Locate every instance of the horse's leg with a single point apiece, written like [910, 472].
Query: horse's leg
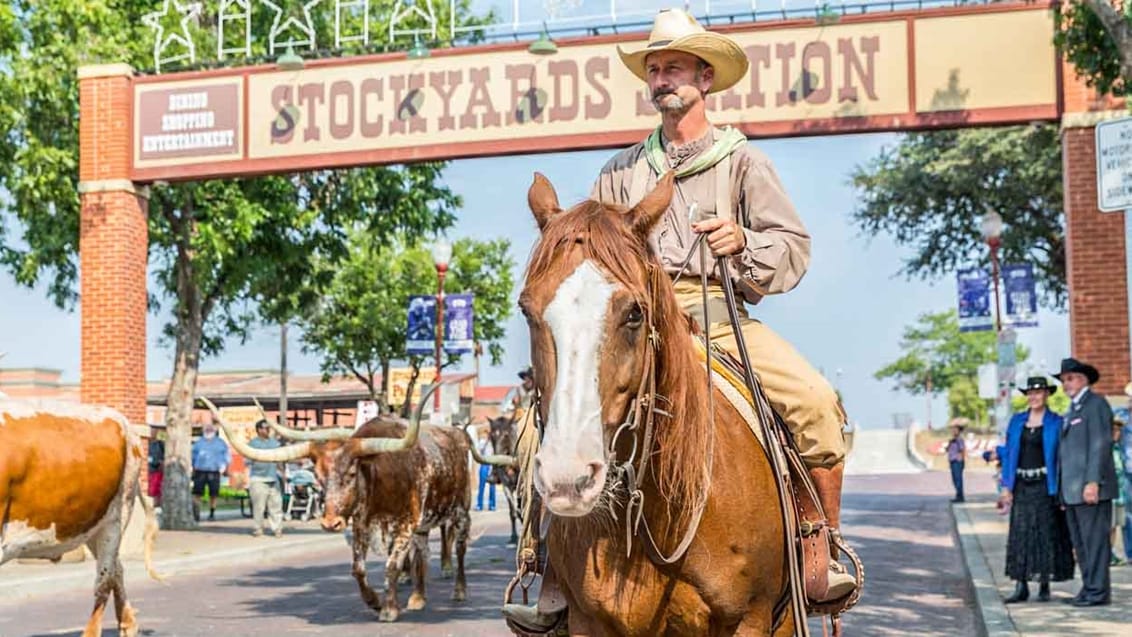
[419, 568]
[460, 530]
[446, 551]
[362, 539]
[399, 557]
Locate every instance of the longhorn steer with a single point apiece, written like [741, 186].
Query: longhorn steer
[400, 478]
[69, 477]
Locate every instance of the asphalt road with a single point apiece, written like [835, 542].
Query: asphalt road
[898, 523]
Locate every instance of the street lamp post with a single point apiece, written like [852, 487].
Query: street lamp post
[441, 253]
[991, 228]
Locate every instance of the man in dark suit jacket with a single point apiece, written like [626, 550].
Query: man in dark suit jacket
[1087, 479]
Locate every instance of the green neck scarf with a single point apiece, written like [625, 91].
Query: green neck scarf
[729, 140]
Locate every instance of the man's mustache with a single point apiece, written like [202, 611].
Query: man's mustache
[661, 92]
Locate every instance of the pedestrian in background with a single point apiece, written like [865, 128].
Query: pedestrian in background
[1118, 503]
[1126, 448]
[483, 445]
[156, 463]
[211, 458]
[956, 457]
[265, 484]
[1037, 546]
[1087, 479]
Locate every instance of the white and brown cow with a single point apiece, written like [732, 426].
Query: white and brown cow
[397, 478]
[69, 477]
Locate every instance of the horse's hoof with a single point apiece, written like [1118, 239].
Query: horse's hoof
[416, 602]
[446, 573]
[389, 614]
[513, 541]
[460, 595]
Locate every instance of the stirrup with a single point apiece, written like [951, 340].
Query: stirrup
[528, 621]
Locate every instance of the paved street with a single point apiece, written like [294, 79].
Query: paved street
[899, 524]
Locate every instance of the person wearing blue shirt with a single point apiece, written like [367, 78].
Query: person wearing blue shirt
[1038, 545]
[211, 457]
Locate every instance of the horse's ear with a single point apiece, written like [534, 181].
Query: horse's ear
[543, 200]
[645, 214]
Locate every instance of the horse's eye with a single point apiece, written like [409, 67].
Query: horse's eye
[635, 317]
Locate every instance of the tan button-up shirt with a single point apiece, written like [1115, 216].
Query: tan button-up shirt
[778, 246]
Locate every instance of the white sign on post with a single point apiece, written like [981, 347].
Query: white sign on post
[1114, 164]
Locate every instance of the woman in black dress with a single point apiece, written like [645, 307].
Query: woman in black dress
[1038, 546]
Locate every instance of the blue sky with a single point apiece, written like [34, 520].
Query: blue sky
[846, 316]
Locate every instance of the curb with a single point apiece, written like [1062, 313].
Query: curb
[991, 615]
[914, 455]
[80, 578]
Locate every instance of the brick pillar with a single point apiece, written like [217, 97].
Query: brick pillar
[1095, 255]
[113, 242]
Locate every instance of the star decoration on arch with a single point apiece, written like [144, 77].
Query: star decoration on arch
[290, 17]
[178, 36]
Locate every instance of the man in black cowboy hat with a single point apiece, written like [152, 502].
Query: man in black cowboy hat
[1087, 479]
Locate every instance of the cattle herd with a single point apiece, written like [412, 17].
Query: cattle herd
[70, 475]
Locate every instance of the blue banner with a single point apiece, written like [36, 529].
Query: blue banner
[458, 317]
[421, 336]
[974, 300]
[1021, 295]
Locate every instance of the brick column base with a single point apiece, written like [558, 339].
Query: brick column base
[1096, 268]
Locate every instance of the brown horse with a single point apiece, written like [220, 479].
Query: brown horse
[605, 329]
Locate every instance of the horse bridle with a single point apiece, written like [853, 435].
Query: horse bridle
[642, 413]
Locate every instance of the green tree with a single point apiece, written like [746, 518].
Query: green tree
[1095, 36]
[224, 253]
[930, 190]
[938, 357]
[359, 326]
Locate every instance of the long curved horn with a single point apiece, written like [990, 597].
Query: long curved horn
[500, 460]
[372, 446]
[329, 433]
[280, 454]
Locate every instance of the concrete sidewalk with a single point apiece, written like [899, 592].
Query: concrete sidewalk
[226, 542]
[982, 538]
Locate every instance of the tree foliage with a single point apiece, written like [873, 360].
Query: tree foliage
[359, 327]
[1095, 36]
[224, 253]
[930, 190]
[938, 355]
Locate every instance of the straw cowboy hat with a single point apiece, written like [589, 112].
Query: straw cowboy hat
[675, 30]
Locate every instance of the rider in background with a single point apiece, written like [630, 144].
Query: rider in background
[518, 399]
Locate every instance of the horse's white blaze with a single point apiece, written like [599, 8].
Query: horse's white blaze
[576, 318]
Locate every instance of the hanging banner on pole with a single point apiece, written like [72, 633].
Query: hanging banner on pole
[458, 317]
[420, 338]
[974, 300]
[1021, 295]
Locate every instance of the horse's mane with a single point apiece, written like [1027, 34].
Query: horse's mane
[604, 236]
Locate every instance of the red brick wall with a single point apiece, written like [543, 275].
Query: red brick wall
[113, 243]
[1097, 273]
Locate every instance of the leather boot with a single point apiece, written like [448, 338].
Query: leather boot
[546, 615]
[1043, 591]
[827, 482]
[1021, 593]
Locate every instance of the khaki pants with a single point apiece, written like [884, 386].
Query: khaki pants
[266, 495]
[798, 393]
